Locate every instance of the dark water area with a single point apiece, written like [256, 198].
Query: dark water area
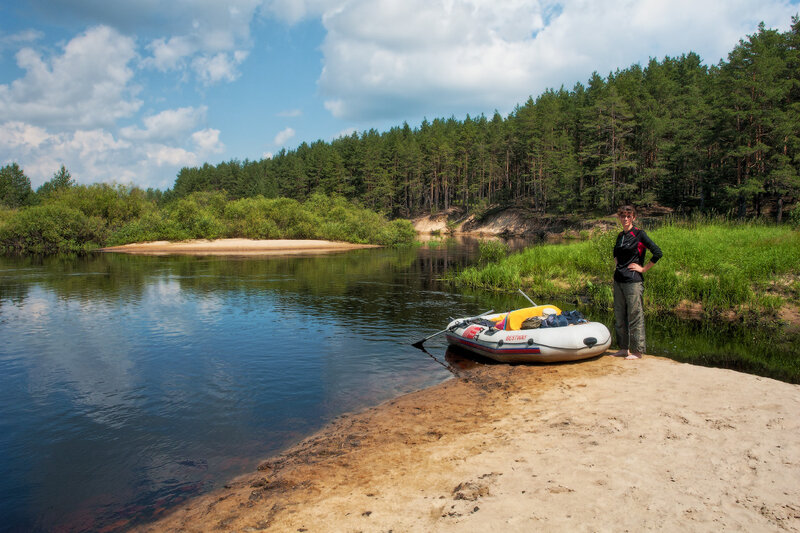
[129, 384]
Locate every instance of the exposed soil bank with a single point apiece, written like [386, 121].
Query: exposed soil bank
[604, 444]
[235, 247]
[510, 221]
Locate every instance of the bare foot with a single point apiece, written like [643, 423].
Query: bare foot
[634, 355]
[621, 353]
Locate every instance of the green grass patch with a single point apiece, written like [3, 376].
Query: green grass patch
[725, 267]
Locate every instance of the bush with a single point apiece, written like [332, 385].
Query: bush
[492, 251]
[49, 229]
[116, 204]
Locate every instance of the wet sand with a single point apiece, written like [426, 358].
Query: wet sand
[236, 247]
[600, 445]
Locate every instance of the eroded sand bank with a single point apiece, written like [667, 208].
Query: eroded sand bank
[235, 247]
[601, 445]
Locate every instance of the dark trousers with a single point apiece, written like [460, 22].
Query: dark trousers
[629, 316]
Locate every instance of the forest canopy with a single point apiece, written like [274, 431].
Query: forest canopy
[677, 133]
[723, 139]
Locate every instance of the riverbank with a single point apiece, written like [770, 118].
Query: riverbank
[236, 247]
[602, 444]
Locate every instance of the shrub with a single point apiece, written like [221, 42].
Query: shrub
[116, 204]
[48, 229]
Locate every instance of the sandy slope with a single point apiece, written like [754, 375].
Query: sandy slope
[235, 247]
[601, 445]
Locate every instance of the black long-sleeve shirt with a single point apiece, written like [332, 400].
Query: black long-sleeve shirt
[630, 248]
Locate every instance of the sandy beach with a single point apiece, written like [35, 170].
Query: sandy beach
[236, 247]
[600, 445]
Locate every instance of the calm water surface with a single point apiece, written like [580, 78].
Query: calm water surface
[130, 383]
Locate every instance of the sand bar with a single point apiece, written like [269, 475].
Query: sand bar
[600, 445]
[236, 247]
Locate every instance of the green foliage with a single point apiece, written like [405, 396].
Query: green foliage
[208, 215]
[492, 251]
[794, 216]
[49, 229]
[675, 132]
[114, 204]
[60, 180]
[721, 265]
[15, 187]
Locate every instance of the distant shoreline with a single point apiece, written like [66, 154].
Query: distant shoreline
[235, 247]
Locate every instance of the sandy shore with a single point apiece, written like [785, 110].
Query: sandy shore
[601, 445]
[235, 247]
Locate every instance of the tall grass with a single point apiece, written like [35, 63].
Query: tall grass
[744, 268]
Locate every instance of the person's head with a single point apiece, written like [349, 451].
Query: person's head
[626, 215]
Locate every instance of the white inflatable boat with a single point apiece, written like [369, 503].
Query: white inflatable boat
[540, 334]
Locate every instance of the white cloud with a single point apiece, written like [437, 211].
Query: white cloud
[295, 10]
[219, 67]
[14, 40]
[291, 113]
[169, 54]
[86, 86]
[386, 59]
[171, 124]
[171, 156]
[284, 136]
[97, 155]
[207, 141]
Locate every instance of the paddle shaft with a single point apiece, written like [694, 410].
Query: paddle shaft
[527, 297]
[419, 343]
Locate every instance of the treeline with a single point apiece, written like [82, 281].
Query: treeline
[723, 139]
[79, 218]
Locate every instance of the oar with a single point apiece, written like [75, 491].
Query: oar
[526, 296]
[419, 343]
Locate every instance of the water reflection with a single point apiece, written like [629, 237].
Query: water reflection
[129, 383]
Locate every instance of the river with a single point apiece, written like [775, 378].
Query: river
[129, 384]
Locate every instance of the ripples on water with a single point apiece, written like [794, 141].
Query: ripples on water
[129, 383]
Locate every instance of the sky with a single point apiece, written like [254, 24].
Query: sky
[131, 92]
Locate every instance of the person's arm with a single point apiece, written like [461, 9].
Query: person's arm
[636, 267]
[655, 251]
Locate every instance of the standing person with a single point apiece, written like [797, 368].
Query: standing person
[629, 252]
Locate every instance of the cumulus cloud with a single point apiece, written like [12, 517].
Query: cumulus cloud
[169, 53]
[14, 40]
[219, 67]
[207, 141]
[386, 59]
[86, 86]
[149, 155]
[170, 124]
[295, 10]
[283, 136]
[213, 42]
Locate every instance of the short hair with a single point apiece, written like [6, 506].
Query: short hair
[626, 209]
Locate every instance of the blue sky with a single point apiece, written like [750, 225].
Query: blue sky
[130, 92]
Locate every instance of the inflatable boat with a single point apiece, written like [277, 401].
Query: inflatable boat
[540, 334]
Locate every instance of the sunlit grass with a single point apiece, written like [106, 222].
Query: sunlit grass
[722, 266]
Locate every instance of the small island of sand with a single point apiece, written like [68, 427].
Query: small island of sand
[600, 445]
[236, 247]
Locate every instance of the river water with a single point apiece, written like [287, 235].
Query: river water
[131, 383]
